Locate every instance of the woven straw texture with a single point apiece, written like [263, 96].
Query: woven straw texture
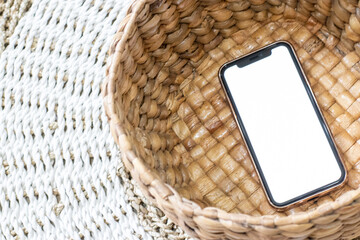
[175, 130]
[60, 174]
[10, 13]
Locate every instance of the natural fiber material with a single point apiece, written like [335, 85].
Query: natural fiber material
[176, 132]
[10, 13]
[60, 176]
[151, 218]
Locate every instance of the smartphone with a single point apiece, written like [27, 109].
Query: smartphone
[283, 128]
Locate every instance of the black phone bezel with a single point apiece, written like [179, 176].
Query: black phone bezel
[258, 55]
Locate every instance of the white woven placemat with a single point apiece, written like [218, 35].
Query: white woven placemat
[60, 177]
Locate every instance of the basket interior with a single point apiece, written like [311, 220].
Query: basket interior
[174, 111]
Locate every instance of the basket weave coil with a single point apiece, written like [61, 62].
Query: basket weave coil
[175, 129]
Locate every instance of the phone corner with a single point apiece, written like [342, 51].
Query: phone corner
[221, 70]
[284, 43]
[280, 206]
[343, 177]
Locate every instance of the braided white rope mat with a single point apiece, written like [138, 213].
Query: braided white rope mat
[59, 172]
[10, 13]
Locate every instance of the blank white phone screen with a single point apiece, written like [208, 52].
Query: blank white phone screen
[281, 123]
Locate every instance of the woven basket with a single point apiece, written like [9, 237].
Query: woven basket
[175, 130]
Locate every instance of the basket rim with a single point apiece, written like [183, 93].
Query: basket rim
[157, 187]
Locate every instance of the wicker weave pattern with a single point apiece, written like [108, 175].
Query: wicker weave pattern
[10, 13]
[173, 125]
[58, 164]
[134, 213]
